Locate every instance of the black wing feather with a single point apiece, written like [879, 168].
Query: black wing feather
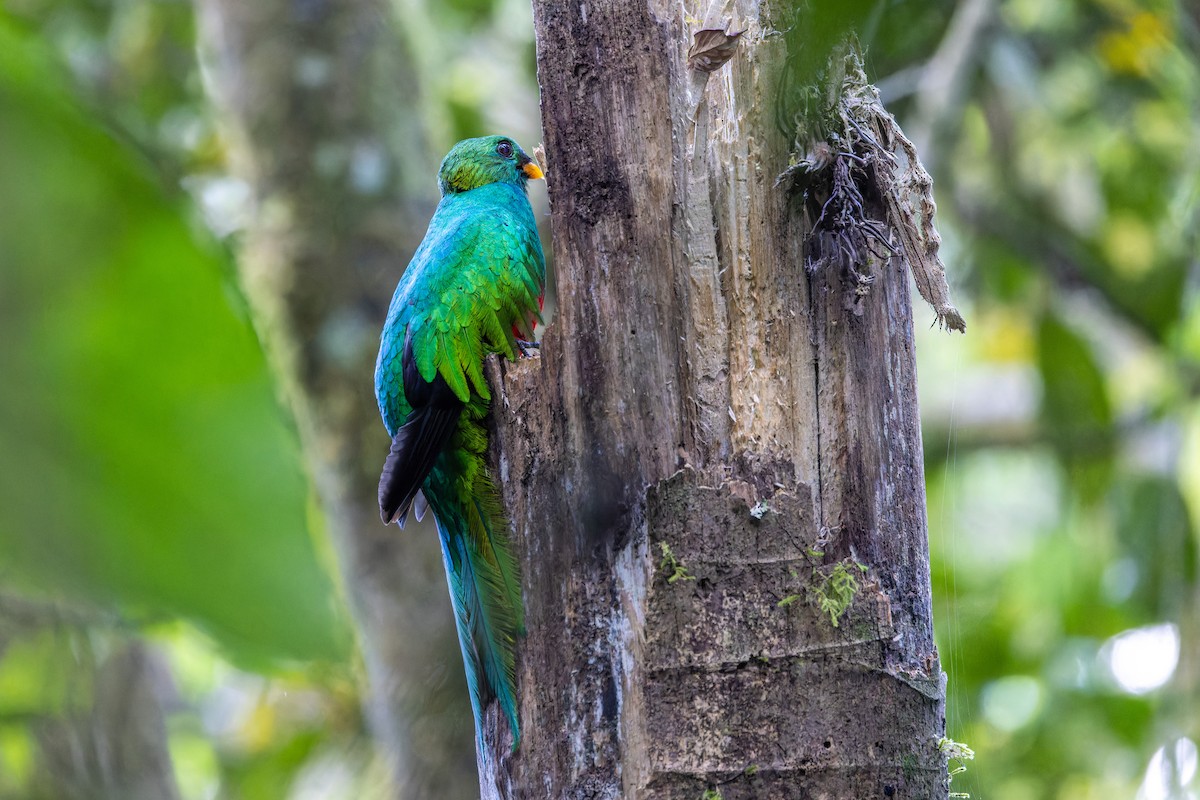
[420, 440]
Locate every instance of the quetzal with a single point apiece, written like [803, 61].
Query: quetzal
[473, 286]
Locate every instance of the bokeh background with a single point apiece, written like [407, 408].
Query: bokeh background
[165, 578]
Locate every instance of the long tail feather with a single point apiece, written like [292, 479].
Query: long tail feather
[489, 528]
[485, 592]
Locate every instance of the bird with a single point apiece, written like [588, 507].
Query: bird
[474, 287]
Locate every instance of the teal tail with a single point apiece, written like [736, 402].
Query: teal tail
[485, 590]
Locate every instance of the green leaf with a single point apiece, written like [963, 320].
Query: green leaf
[37, 676]
[1076, 411]
[146, 460]
[1155, 532]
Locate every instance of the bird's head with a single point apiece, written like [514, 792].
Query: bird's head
[489, 159]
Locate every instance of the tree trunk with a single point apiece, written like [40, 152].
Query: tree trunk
[118, 749]
[714, 471]
[317, 103]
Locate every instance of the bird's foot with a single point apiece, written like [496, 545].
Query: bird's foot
[525, 348]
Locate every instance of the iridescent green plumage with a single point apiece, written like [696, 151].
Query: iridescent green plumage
[476, 279]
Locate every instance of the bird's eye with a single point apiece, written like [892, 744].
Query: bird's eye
[505, 149]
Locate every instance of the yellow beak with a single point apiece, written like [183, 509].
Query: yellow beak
[533, 170]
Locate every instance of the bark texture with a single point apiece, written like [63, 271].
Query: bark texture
[117, 750]
[717, 455]
[317, 98]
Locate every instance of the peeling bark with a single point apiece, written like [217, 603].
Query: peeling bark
[699, 390]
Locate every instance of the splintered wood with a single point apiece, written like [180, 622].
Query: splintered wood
[711, 48]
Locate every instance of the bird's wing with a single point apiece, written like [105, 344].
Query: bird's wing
[418, 442]
[488, 277]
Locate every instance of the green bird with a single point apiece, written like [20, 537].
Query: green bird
[474, 287]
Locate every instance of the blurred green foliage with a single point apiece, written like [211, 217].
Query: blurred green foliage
[148, 474]
[147, 460]
[147, 467]
[1061, 434]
